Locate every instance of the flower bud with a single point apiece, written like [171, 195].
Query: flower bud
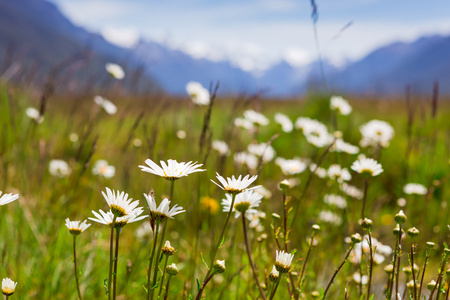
[172, 270]
[366, 223]
[168, 249]
[400, 218]
[315, 228]
[356, 238]
[389, 268]
[315, 295]
[284, 185]
[431, 285]
[413, 232]
[274, 275]
[397, 230]
[219, 266]
[430, 245]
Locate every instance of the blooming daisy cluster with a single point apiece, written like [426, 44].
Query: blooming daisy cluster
[376, 133]
[198, 94]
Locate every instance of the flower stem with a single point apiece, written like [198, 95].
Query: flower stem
[394, 264]
[116, 258]
[398, 260]
[152, 256]
[412, 269]
[167, 287]
[366, 187]
[285, 221]
[219, 243]
[75, 266]
[371, 266]
[250, 257]
[427, 257]
[157, 258]
[111, 258]
[162, 277]
[300, 279]
[337, 270]
[275, 288]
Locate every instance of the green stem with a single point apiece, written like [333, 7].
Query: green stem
[300, 279]
[275, 288]
[337, 270]
[162, 277]
[75, 266]
[219, 243]
[152, 256]
[398, 258]
[167, 287]
[116, 258]
[427, 256]
[366, 188]
[412, 270]
[111, 258]
[157, 259]
[371, 266]
[250, 257]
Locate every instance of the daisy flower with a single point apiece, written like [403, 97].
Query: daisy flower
[75, 227]
[415, 188]
[262, 150]
[256, 118]
[115, 71]
[341, 146]
[376, 133]
[274, 275]
[108, 217]
[243, 123]
[7, 198]
[107, 105]
[283, 261]
[339, 104]
[198, 94]
[284, 121]
[340, 174]
[235, 185]
[34, 114]
[221, 147]
[245, 202]
[102, 168]
[291, 166]
[119, 203]
[8, 286]
[367, 166]
[335, 200]
[59, 168]
[244, 158]
[163, 211]
[172, 170]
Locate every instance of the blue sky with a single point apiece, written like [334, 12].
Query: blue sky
[254, 34]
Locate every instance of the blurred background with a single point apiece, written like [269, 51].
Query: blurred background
[279, 48]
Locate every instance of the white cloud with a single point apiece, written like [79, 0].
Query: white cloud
[125, 37]
[297, 57]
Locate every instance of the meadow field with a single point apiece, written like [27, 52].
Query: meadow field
[308, 210]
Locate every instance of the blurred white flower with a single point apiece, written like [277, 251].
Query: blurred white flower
[351, 191]
[102, 168]
[8, 286]
[115, 70]
[73, 137]
[264, 192]
[244, 158]
[315, 132]
[7, 198]
[380, 251]
[339, 104]
[34, 114]
[198, 94]
[291, 166]
[357, 278]
[172, 170]
[221, 147]
[368, 166]
[181, 134]
[330, 217]
[338, 173]
[335, 200]
[415, 188]
[144, 230]
[284, 121]
[256, 118]
[243, 123]
[255, 219]
[376, 133]
[320, 172]
[266, 151]
[59, 168]
[341, 146]
[107, 105]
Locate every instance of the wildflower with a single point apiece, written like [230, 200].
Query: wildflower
[235, 185]
[368, 166]
[243, 123]
[244, 202]
[284, 184]
[291, 166]
[219, 266]
[75, 227]
[340, 174]
[351, 191]
[107, 105]
[7, 198]
[330, 217]
[198, 94]
[145, 229]
[168, 249]
[119, 203]
[283, 261]
[172, 269]
[339, 104]
[221, 147]
[431, 285]
[376, 133]
[414, 188]
[367, 223]
[108, 217]
[264, 192]
[284, 121]
[244, 158]
[274, 275]
[400, 217]
[341, 146]
[115, 71]
[315, 132]
[254, 218]
[356, 238]
[262, 150]
[34, 114]
[209, 204]
[8, 286]
[59, 168]
[335, 200]
[256, 118]
[413, 232]
[162, 212]
[172, 170]
[320, 172]
[380, 251]
[73, 137]
[357, 278]
[102, 168]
